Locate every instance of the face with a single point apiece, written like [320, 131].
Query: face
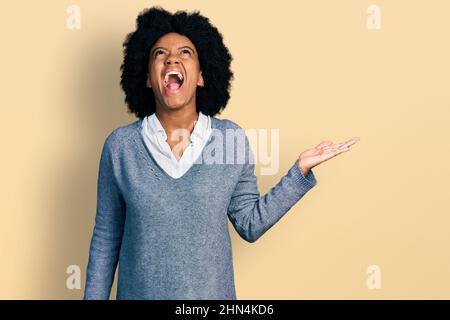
[174, 53]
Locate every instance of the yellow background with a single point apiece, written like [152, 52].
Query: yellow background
[310, 68]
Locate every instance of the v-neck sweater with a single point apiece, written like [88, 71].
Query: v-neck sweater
[169, 237]
[155, 138]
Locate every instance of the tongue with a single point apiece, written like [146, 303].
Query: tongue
[173, 86]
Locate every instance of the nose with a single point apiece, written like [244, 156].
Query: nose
[172, 59]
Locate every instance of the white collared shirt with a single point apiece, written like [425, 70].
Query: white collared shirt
[155, 138]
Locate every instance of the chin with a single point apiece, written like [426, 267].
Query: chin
[175, 102]
[174, 105]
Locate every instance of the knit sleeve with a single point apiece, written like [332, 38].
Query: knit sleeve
[107, 232]
[251, 214]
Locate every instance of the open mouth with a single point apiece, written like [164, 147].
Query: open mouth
[173, 81]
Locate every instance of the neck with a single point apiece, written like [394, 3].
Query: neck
[172, 120]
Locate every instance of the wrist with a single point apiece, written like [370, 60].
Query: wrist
[303, 169]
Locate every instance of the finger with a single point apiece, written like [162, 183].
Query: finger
[324, 143]
[343, 150]
[350, 142]
[332, 153]
[329, 151]
[332, 147]
[337, 150]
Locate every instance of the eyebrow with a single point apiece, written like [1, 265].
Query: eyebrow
[153, 51]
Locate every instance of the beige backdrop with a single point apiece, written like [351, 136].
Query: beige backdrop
[384, 203]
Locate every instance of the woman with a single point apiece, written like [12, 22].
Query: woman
[162, 204]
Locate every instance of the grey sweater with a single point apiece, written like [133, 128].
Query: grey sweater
[169, 237]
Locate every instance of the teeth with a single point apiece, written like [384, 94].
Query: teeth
[180, 76]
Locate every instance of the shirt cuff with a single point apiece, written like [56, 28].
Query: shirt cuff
[304, 182]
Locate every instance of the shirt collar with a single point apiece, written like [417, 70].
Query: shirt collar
[199, 132]
[200, 126]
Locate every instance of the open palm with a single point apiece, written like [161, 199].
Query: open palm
[324, 151]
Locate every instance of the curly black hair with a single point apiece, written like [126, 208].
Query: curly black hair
[214, 59]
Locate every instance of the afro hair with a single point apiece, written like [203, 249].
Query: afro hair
[214, 58]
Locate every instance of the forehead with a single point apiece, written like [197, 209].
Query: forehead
[173, 39]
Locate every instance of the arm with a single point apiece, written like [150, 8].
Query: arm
[107, 233]
[251, 214]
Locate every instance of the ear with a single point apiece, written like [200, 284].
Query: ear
[201, 82]
[148, 81]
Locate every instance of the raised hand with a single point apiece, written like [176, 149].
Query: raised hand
[324, 151]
